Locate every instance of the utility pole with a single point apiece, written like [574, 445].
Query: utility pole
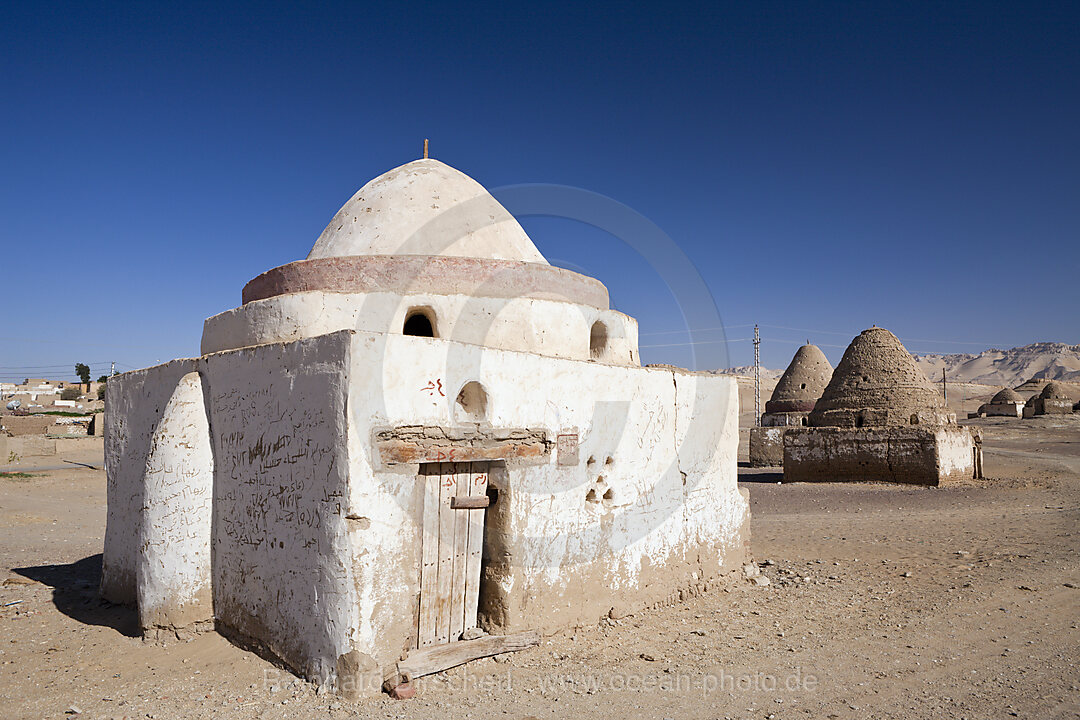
[944, 390]
[757, 377]
[112, 370]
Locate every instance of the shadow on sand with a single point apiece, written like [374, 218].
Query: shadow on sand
[759, 475]
[75, 593]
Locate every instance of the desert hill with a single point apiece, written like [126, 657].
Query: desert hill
[748, 371]
[1000, 368]
[1043, 361]
[972, 378]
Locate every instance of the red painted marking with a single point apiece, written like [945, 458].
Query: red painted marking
[434, 386]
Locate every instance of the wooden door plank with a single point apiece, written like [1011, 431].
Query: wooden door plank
[462, 477]
[444, 588]
[443, 657]
[478, 484]
[429, 561]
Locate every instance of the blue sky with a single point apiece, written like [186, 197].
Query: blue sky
[824, 166]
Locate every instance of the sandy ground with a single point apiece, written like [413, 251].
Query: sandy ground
[884, 601]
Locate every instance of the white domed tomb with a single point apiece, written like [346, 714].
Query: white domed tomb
[1005, 403]
[420, 432]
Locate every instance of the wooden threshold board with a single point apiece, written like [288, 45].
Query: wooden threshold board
[437, 658]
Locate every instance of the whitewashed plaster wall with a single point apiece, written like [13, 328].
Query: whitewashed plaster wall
[315, 541]
[663, 441]
[282, 563]
[135, 405]
[173, 570]
[546, 327]
[955, 457]
[1005, 409]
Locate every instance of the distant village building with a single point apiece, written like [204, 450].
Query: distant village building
[792, 400]
[1007, 402]
[32, 393]
[30, 424]
[421, 433]
[880, 419]
[1053, 400]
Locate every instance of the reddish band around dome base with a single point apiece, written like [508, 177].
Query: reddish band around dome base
[428, 274]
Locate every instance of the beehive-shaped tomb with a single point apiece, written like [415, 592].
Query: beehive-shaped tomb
[1053, 400]
[878, 384]
[880, 419]
[802, 383]
[792, 399]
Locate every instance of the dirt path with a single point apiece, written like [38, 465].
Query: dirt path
[884, 601]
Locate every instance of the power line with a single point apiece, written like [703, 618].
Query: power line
[735, 340]
[76, 343]
[50, 367]
[823, 332]
[696, 342]
[695, 330]
[905, 338]
[812, 331]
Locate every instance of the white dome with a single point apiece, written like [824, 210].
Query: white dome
[425, 208]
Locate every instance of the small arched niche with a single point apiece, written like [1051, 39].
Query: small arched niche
[598, 340]
[473, 400]
[420, 322]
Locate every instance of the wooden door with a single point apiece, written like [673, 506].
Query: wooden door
[455, 495]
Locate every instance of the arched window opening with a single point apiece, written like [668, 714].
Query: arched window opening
[597, 339]
[419, 322]
[473, 399]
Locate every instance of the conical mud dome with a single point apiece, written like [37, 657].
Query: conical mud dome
[876, 384]
[802, 383]
[1054, 391]
[1006, 395]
